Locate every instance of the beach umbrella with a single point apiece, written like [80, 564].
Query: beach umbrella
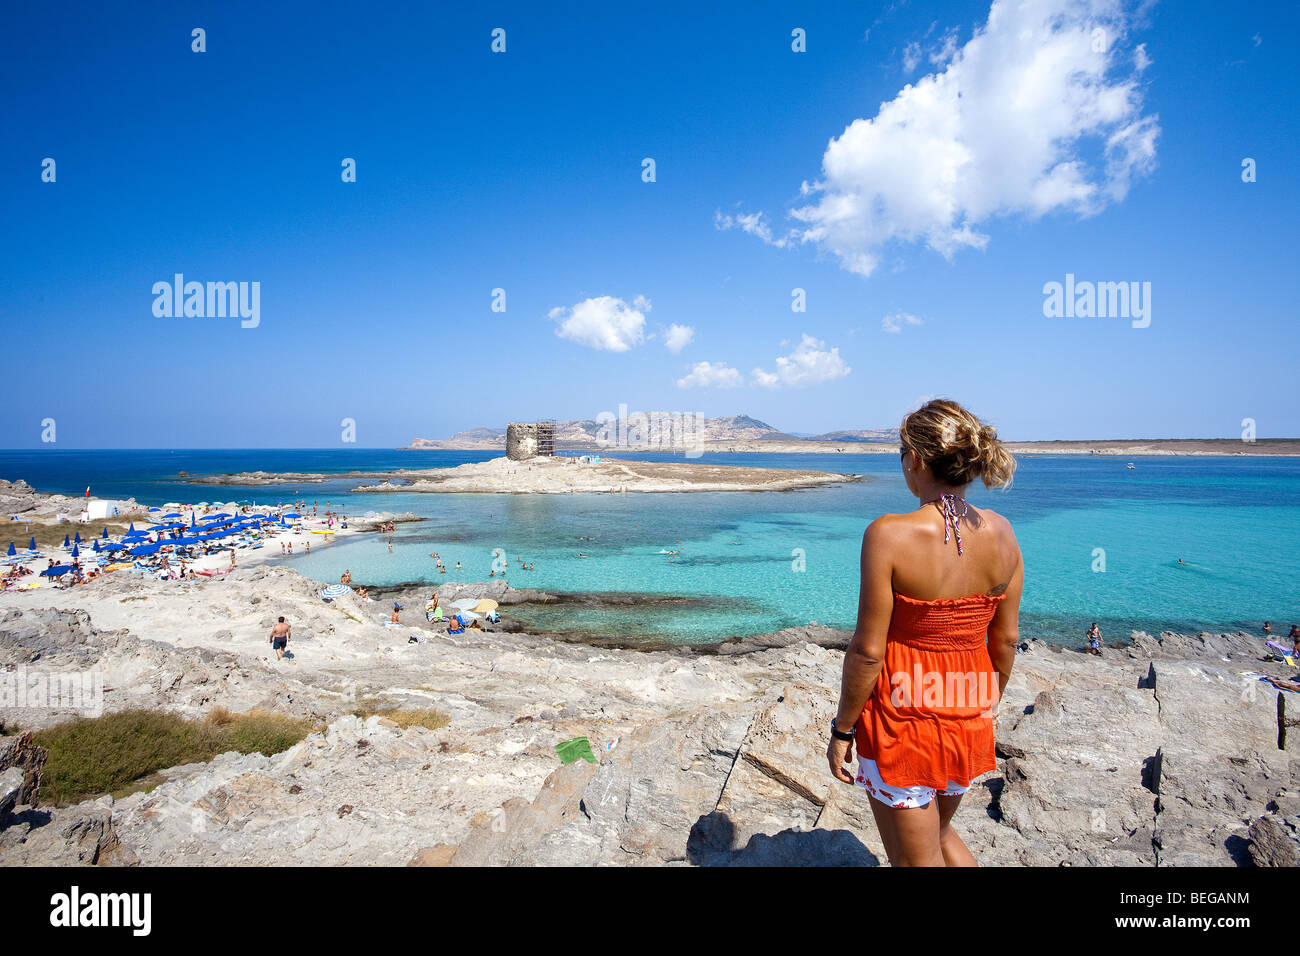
[144, 549]
[184, 540]
[131, 527]
[464, 604]
[12, 549]
[77, 538]
[105, 532]
[55, 571]
[76, 551]
[113, 546]
[335, 590]
[66, 541]
[485, 606]
[31, 545]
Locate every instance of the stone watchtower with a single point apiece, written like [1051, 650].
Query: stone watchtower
[526, 440]
[521, 441]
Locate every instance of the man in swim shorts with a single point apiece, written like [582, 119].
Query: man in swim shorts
[280, 638]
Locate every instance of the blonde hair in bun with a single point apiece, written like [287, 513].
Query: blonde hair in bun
[956, 445]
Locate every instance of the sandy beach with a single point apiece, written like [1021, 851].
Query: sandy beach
[48, 520]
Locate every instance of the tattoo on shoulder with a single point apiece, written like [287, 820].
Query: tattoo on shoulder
[997, 590]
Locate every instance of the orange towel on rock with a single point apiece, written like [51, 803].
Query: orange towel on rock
[930, 718]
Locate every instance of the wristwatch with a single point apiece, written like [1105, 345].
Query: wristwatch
[840, 734]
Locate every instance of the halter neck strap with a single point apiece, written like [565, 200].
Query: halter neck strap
[954, 509]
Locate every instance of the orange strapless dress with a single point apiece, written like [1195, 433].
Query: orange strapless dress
[930, 718]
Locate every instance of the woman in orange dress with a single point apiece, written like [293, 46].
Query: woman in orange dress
[938, 624]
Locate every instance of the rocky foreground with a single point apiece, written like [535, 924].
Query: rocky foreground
[1163, 753]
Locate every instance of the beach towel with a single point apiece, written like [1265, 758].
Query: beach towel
[571, 750]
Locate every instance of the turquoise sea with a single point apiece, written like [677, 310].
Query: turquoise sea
[1229, 519]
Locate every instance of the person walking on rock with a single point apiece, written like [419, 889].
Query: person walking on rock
[280, 633]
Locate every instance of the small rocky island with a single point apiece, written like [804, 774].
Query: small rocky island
[557, 475]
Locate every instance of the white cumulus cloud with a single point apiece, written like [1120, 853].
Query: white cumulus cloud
[809, 364]
[1013, 125]
[710, 375]
[678, 337]
[605, 323]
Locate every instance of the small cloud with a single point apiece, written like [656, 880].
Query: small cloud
[809, 364]
[1258, 39]
[911, 57]
[605, 323]
[1140, 58]
[710, 375]
[895, 321]
[940, 55]
[755, 224]
[678, 337]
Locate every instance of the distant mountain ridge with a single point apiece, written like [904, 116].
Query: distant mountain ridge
[583, 434]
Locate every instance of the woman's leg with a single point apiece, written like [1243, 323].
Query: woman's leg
[954, 850]
[910, 836]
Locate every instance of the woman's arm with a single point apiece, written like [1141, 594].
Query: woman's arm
[1004, 629]
[866, 651]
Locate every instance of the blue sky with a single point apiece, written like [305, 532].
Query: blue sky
[952, 203]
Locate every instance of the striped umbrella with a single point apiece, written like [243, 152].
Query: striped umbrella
[335, 590]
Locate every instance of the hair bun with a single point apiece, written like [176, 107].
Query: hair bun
[956, 445]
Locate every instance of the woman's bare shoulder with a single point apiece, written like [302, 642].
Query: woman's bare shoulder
[999, 525]
[888, 525]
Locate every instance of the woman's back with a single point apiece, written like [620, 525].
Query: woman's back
[929, 568]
